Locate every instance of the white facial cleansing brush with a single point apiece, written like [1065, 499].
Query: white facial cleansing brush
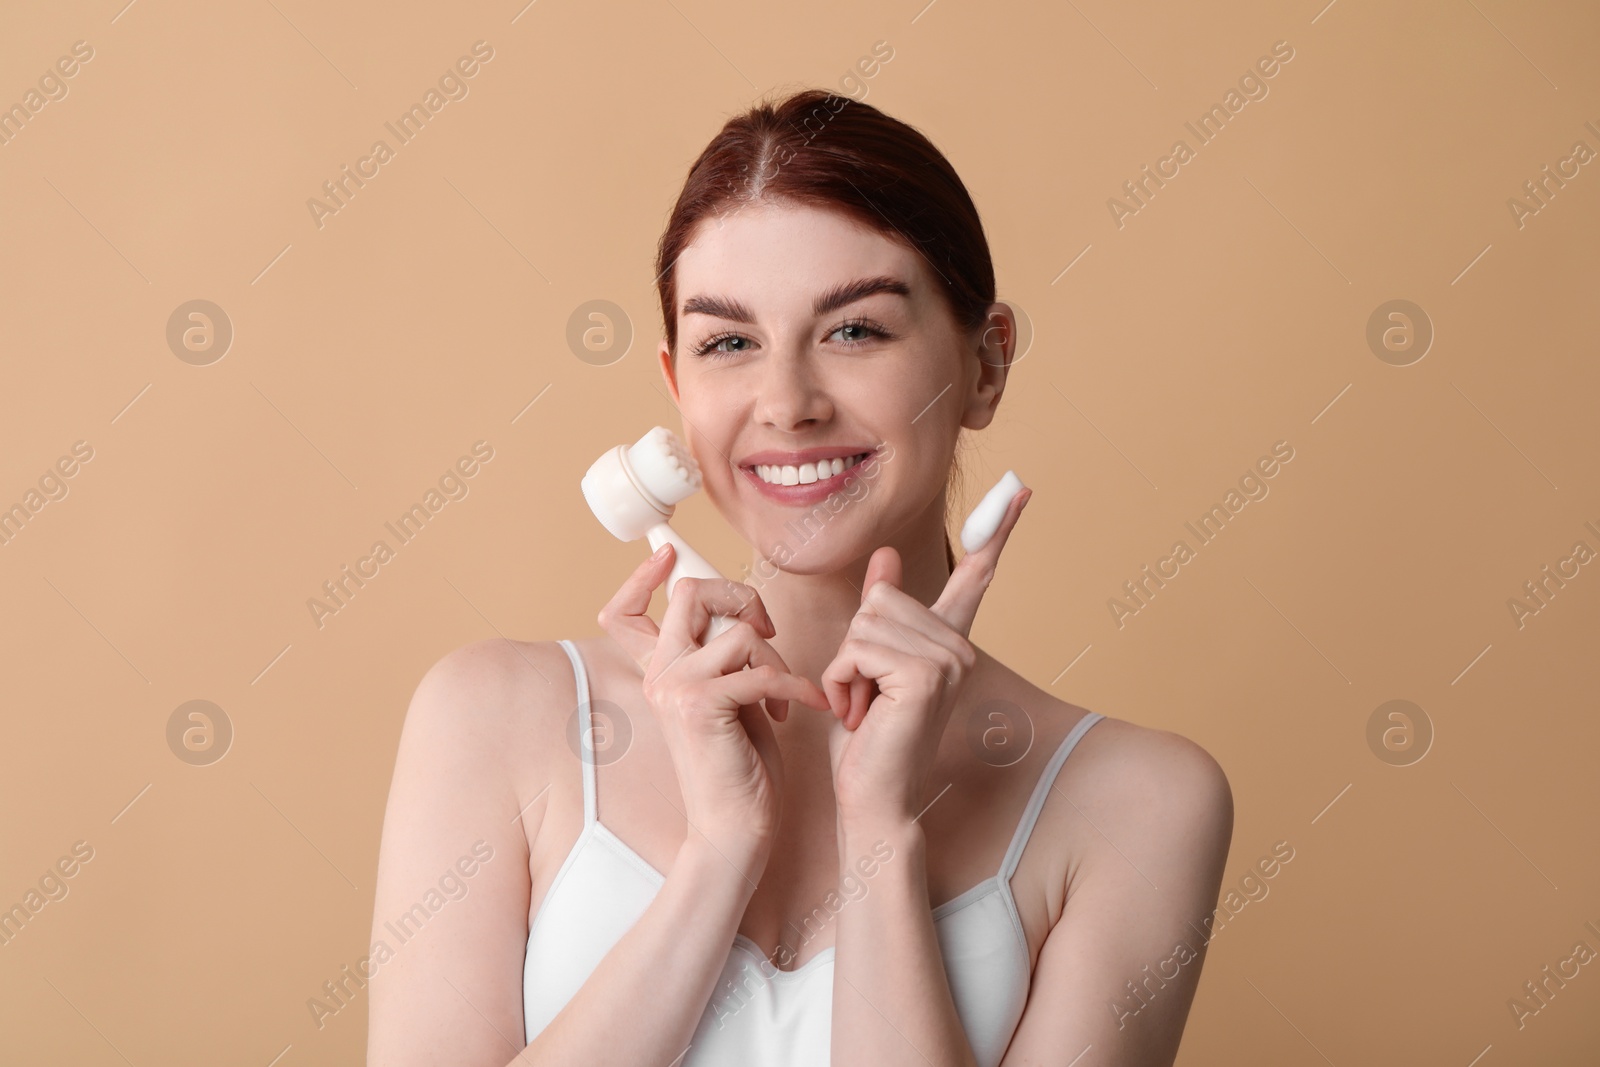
[633, 491]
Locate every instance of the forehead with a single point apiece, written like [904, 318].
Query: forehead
[782, 254]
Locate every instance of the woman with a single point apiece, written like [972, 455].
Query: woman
[869, 848]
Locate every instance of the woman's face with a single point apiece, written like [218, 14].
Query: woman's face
[804, 336]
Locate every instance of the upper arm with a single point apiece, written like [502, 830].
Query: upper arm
[1120, 967]
[450, 915]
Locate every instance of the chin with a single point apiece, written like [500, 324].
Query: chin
[808, 544]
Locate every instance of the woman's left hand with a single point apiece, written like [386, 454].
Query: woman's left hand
[882, 746]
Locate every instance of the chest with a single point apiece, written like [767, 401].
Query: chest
[987, 829]
[758, 1013]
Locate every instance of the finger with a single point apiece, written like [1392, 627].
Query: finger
[958, 603]
[847, 693]
[938, 645]
[740, 646]
[847, 690]
[862, 690]
[942, 651]
[884, 566]
[857, 657]
[909, 620]
[884, 572]
[759, 683]
[694, 601]
[893, 618]
[626, 616]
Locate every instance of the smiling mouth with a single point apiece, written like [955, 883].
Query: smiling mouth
[806, 473]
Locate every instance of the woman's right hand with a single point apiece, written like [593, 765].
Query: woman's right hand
[709, 707]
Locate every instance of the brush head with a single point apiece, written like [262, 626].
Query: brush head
[632, 488]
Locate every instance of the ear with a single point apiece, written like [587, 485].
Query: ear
[664, 356]
[995, 345]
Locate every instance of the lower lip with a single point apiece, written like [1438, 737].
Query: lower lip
[814, 493]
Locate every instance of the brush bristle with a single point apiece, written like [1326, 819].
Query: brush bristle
[667, 468]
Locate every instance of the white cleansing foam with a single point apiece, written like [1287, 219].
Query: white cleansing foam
[985, 518]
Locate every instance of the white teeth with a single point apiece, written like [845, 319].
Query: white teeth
[807, 473]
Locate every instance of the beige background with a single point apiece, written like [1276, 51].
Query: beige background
[1228, 314]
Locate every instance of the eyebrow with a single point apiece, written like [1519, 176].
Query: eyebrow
[837, 297]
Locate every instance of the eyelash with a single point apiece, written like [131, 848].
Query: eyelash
[705, 347]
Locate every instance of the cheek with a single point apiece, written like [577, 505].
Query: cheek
[708, 422]
[711, 443]
[931, 437]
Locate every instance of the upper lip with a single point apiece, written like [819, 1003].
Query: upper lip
[776, 458]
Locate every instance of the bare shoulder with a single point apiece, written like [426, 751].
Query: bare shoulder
[1152, 769]
[1119, 765]
[1155, 794]
[492, 665]
[491, 703]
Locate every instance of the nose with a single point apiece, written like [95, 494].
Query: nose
[791, 393]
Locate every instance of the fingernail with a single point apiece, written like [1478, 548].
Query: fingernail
[662, 551]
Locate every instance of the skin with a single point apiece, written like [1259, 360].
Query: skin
[869, 678]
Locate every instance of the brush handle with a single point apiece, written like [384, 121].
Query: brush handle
[687, 563]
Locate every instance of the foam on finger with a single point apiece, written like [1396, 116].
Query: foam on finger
[985, 519]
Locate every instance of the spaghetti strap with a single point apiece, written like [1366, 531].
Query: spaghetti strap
[585, 730]
[1030, 814]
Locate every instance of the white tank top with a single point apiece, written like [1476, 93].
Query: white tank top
[759, 1015]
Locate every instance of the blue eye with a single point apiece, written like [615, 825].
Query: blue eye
[862, 330]
[705, 347]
